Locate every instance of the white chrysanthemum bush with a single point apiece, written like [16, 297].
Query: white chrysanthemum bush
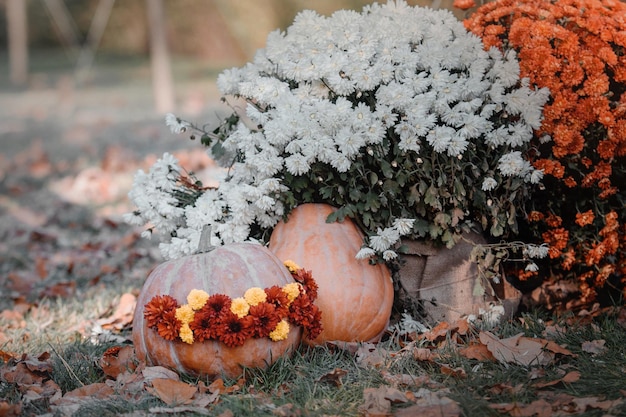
[396, 115]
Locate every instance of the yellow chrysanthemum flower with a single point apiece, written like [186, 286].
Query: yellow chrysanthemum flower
[255, 295]
[240, 307]
[281, 331]
[185, 314]
[186, 334]
[292, 290]
[291, 265]
[197, 299]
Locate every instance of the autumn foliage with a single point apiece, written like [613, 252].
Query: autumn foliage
[576, 48]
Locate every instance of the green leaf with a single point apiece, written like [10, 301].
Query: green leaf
[373, 178]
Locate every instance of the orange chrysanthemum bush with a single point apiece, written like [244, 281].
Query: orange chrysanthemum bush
[577, 49]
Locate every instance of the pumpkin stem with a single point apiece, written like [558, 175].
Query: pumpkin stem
[204, 245]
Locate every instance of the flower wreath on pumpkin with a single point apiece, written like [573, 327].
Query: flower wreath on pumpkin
[259, 313]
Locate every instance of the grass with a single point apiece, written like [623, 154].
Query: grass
[299, 384]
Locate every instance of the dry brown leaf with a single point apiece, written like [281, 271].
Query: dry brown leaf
[585, 403]
[595, 347]
[98, 390]
[423, 354]
[158, 372]
[123, 314]
[538, 408]
[405, 379]
[116, 360]
[430, 404]
[218, 386]
[172, 392]
[568, 378]
[454, 372]
[369, 354]
[517, 349]
[375, 402]
[334, 377]
[556, 348]
[180, 410]
[10, 410]
[477, 351]
[440, 331]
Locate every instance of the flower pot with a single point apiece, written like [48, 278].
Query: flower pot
[440, 283]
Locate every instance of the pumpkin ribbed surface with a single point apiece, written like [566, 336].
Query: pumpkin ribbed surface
[355, 297]
[229, 270]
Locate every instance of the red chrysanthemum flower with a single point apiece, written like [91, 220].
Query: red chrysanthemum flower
[304, 313]
[216, 304]
[205, 324]
[277, 297]
[234, 331]
[305, 278]
[169, 326]
[264, 319]
[157, 307]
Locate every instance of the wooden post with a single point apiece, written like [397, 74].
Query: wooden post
[17, 25]
[162, 85]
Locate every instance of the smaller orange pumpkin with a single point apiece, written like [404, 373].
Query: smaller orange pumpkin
[229, 270]
[354, 296]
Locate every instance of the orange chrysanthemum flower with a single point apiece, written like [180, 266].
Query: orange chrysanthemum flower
[234, 331]
[168, 326]
[205, 324]
[157, 308]
[264, 319]
[583, 219]
[305, 278]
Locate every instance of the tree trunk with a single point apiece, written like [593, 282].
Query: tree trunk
[159, 56]
[17, 26]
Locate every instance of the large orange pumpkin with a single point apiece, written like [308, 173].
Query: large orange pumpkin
[229, 270]
[355, 297]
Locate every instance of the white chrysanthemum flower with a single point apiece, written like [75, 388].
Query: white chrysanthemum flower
[175, 124]
[535, 251]
[536, 176]
[532, 267]
[389, 255]
[512, 164]
[489, 184]
[365, 253]
[404, 226]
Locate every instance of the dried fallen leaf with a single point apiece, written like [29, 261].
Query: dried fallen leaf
[430, 404]
[123, 314]
[10, 410]
[453, 372]
[334, 377]
[568, 378]
[117, 359]
[98, 390]
[157, 372]
[440, 331]
[517, 349]
[405, 379]
[172, 392]
[218, 386]
[595, 347]
[369, 354]
[538, 408]
[375, 403]
[477, 351]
